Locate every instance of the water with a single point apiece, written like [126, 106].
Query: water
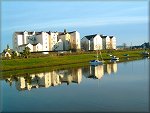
[117, 87]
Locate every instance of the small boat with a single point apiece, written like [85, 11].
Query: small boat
[95, 62]
[114, 58]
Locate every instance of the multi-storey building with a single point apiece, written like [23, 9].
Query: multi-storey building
[91, 42]
[98, 42]
[75, 40]
[66, 39]
[47, 41]
[53, 40]
[112, 42]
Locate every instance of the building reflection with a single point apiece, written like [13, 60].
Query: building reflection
[111, 68]
[48, 79]
[58, 77]
[95, 72]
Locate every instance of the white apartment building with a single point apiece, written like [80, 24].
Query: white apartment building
[112, 42]
[43, 38]
[53, 39]
[91, 42]
[98, 42]
[66, 39]
[75, 40]
[47, 41]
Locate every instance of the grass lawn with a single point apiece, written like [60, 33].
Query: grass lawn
[70, 59]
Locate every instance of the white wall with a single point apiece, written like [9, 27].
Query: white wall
[75, 40]
[45, 38]
[97, 42]
[37, 47]
[17, 40]
[113, 42]
[52, 41]
[107, 42]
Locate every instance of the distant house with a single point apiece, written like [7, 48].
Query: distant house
[37, 47]
[22, 47]
[7, 53]
[91, 42]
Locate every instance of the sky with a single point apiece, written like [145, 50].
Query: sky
[126, 20]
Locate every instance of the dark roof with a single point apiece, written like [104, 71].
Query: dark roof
[61, 33]
[111, 36]
[102, 36]
[71, 32]
[90, 36]
[23, 45]
[38, 33]
[20, 33]
[30, 33]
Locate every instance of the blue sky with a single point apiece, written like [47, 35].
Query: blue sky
[126, 20]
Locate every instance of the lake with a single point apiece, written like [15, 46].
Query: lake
[115, 87]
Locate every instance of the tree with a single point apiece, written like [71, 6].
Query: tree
[14, 54]
[26, 52]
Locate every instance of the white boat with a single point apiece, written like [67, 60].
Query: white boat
[114, 58]
[96, 62]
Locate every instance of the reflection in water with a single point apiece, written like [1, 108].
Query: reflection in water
[58, 77]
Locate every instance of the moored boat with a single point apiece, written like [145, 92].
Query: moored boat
[114, 58]
[96, 62]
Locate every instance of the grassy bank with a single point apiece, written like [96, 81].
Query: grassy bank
[34, 61]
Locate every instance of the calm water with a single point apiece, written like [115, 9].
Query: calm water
[115, 87]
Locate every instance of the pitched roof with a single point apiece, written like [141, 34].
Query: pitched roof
[102, 36]
[90, 36]
[19, 33]
[38, 33]
[71, 32]
[23, 45]
[111, 36]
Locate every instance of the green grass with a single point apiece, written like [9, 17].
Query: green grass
[55, 61]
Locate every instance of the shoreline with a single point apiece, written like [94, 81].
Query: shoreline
[61, 61]
[47, 69]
